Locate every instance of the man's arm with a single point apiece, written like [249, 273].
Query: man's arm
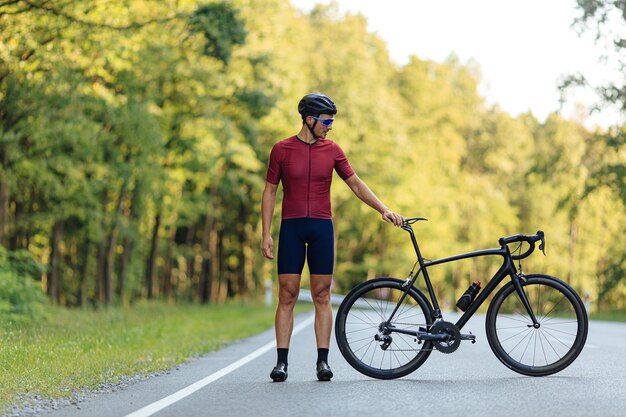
[267, 211]
[365, 194]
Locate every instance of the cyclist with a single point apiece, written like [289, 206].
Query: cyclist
[304, 163]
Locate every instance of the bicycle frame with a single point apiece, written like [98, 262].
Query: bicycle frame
[506, 269]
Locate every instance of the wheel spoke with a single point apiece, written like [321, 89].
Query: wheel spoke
[530, 337]
[543, 349]
[551, 346]
[525, 330]
[367, 320]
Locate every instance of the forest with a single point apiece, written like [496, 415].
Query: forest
[135, 135]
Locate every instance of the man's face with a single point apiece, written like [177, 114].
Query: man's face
[321, 129]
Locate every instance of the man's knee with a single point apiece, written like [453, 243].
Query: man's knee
[288, 289]
[287, 297]
[321, 297]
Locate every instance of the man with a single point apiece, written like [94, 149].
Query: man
[304, 163]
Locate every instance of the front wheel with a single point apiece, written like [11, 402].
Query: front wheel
[542, 350]
[366, 330]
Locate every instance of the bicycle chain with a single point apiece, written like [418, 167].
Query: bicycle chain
[410, 350]
[442, 347]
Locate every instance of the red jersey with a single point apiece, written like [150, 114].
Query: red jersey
[307, 172]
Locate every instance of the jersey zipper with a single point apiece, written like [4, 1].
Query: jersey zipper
[308, 186]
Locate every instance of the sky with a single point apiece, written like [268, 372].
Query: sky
[523, 47]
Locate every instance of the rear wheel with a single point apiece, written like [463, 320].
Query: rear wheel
[366, 337]
[542, 350]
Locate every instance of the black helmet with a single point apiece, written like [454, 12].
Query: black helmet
[316, 104]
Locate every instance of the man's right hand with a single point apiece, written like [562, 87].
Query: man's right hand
[268, 247]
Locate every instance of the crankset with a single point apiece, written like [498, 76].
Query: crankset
[450, 336]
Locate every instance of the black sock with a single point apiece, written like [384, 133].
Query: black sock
[282, 355]
[322, 355]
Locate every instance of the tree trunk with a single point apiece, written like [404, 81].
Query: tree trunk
[4, 200]
[169, 261]
[54, 276]
[247, 264]
[82, 292]
[102, 254]
[194, 271]
[110, 258]
[243, 274]
[573, 235]
[214, 267]
[206, 276]
[121, 273]
[4, 197]
[4, 209]
[150, 266]
[14, 239]
[108, 267]
[219, 269]
[101, 272]
[129, 241]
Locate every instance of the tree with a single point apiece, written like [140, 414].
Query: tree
[607, 19]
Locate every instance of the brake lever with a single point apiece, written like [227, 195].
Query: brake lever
[542, 246]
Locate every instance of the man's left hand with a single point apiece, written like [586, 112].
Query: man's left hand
[391, 217]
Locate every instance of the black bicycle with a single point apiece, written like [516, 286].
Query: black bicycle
[536, 324]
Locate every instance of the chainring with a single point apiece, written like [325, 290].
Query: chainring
[454, 336]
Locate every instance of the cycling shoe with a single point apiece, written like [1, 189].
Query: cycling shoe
[279, 373]
[323, 371]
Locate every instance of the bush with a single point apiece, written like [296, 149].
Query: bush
[20, 293]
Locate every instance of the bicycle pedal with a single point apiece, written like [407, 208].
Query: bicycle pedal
[469, 336]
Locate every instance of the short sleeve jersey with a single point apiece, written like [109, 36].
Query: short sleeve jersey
[306, 172]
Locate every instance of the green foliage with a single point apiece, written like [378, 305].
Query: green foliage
[603, 19]
[20, 295]
[134, 140]
[220, 26]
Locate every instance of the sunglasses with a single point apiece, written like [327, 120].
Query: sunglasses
[325, 122]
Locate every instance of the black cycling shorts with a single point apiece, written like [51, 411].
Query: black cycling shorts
[310, 238]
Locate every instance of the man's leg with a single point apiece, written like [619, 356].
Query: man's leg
[320, 291]
[288, 290]
[291, 255]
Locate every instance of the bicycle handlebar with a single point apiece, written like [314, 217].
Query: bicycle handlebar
[411, 220]
[503, 241]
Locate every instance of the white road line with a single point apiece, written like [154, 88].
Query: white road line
[157, 406]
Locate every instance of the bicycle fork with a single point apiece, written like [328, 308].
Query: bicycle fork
[517, 279]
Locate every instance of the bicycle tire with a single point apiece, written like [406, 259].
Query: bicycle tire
[357, 324]
[537, 351]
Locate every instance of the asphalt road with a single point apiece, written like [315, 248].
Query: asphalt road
[468, 382]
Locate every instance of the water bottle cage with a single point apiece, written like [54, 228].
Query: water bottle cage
[407, 281]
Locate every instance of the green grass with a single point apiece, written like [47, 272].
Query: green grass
[76, 349]
[609, 316]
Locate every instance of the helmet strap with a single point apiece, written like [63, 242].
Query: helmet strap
[311, 127]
